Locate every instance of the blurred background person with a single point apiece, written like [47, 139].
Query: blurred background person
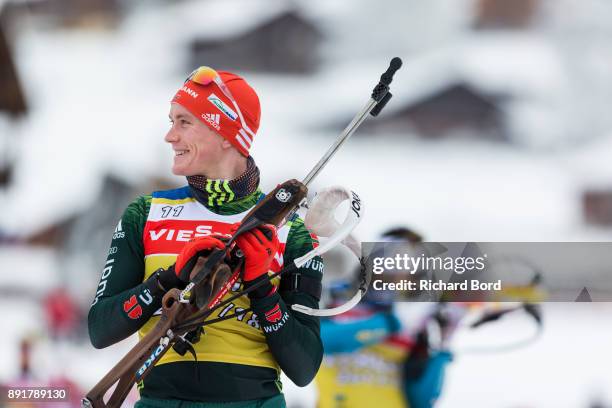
[62, 313]
[27, 379]
[371, 359]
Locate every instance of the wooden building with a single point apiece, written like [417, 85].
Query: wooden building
[504, 14]
[458, 108]
[287, 43]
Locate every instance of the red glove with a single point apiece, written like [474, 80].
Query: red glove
[190, 253]
[259, 246]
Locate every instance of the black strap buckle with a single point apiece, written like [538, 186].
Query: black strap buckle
[298, 282]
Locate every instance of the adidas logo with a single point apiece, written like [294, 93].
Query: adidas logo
[119, 233]
[213, 119]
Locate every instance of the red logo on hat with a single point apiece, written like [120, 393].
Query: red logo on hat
[274, 314]
[132, 308]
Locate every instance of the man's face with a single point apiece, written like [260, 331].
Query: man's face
[196, 146]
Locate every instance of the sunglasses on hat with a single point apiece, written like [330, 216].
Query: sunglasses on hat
[205, 76]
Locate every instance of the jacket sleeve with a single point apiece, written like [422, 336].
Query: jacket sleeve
[294, 338]
[121, 296]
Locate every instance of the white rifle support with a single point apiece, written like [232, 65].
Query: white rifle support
[320, 220]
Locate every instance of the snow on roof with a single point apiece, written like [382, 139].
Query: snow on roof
[212, 19]
[520, 63]
[115, 122]
[89, 116]
[525, 68]
[497, 64]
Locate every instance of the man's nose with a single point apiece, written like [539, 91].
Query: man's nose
[172, 136]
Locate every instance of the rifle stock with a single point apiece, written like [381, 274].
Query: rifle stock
[142, 357]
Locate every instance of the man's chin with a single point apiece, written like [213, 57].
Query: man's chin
[179, 171]
[182, 171]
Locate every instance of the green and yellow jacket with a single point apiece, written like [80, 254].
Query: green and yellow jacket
[238, 359]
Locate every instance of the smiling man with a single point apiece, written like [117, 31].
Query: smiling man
[214, 120]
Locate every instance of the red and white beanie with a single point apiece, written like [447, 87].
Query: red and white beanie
[209, 104]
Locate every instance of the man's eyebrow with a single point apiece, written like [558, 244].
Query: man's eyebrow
[179, 116]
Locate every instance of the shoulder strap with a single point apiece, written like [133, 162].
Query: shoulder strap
[298, 282]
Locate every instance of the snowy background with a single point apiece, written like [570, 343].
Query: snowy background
[531, 142]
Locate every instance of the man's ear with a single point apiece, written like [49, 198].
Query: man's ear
[226, 144]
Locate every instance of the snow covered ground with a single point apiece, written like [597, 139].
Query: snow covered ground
[567, 366]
